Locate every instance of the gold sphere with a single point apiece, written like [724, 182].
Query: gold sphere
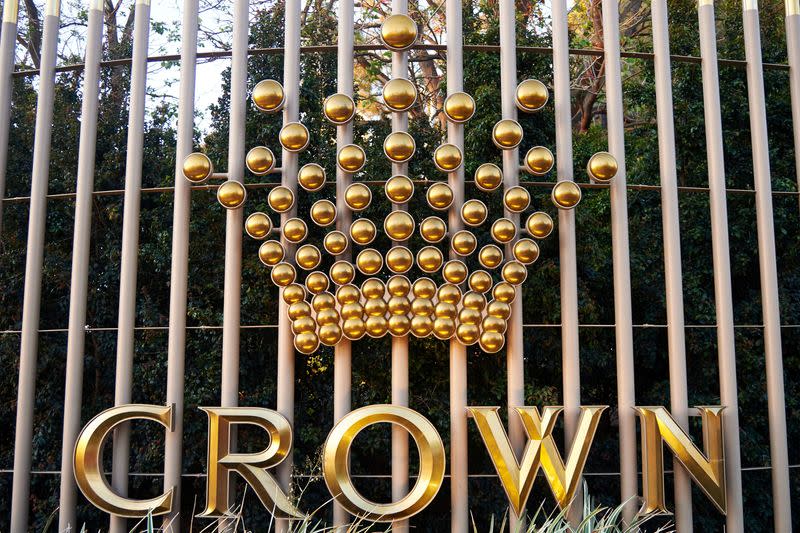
[526, 251]
[473, 213]
[448, 158]
[504, 292]
[515, 272]
[490, 256]
[399, 325]
[399, 94]
[348, 294]
[433, 229]
[260, 160]
[429, 259]
[271, 253]
[283, 274]
[399, 259]
[268, 96]
[449, 294]
[258, 225]
[503, 230]
[377, 326]
[539, 161]
[439, 196]
[421, 326]
[327, 317]
[422, 307]
[197, 167]
[298, 310]
[539, 225]
[293, 293]
[491, 342]
[444, 328]
[342, 272]
[399, 189]
[317, 282]
[507, 134]
[358, 196]
[354, 328]
[352, 310]
[335, 242]
[339, 109]
[445, 310]
[323, 213]
[399, 305]
[455, 271]
[398, 32]
[463, 243]
[469, 316]
[323, 301]
[351, 158]
[306, 343]
[602, 167]
[531, 95]
[303, 325]
[480, 281]
[517, 199]
[494, 324]
[373, 289]
[459, 107]
[308, 257]
[424, 288]
[363, 231]
[294, 137]
[231, 194]
[369, 261]
[399, 146]
[399, 225]
[488, 177]
[311, 177]
[330, 334]
[566, 194]
[398, 286]
[474, 301]
[281, 199]
[499, 309]
[375, 307]
[468, 334]
[295, 230]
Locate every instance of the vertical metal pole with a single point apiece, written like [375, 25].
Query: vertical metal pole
[793, 49]
[626, 390]
[8, 41]
[726, 345]
[130, 251]
[81, 242]
[179, 271]
[31, 307]
[781, 494]
[672, 253]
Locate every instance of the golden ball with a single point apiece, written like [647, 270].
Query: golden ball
[197, 167]
[399, 147]
[494, 324]
[308, 257]
[352, 310]
[330, 334]
[491, 342]
[348, 294]
[323, 213]
[439, 196]
[298, 310]
[467, 334]
[474, 212]
[429, 259]
[463, 243]
[283, 274]
[358, 196]
[399, 225]
[317, 282]
[339, 108]
[459, 107]
[399, 325]
[323, 301]
[281, 199]
[602, 167]
[539, 161]
[433, 229]
[399, 305]
[342, 273]
[258, 225]
[455, 272]
[488, 177]
[260, 160]
[306, 343]
[304, 325]
[424, 288]
[531, 95]
[351, 158]
[398, 32]
[539, 225]
[327, 317]
[399, 94]
[448, 158]
[504, 292]
[271, 253]
[566, 195]
[294, 137]
[503, 230]
[475, 301]
[480, 281]
[444, 328]
[422, 307]
[369, 261]
[231, 194]
[268, 96]
[373, 289]
[311, 177]
[375, 307]
[377, 326]
[363, 231]
[499, 309]
[421, 326]
[469, 316]
[517, 199]
[490, 256]
[399, 189]
[295, 230]
[398, 286]
[354, 328]
[445, 310]
[526, 251]
[507, 134]
[449, 294]
[335, 242]
[293, 293]
[514, 272]
[399, 259]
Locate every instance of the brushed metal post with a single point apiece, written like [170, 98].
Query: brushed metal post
[8, 42]
[793, 50]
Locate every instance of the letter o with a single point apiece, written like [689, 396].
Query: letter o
[336, 462]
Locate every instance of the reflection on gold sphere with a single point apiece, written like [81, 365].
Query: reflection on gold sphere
[494, 324]
[369, 261]
[473, 212]
[439, 196]
[322, 301]
[490, 256]
[503, 230]
[399, 259]
[375, 307]
[260, 160]
[455, 272]
[399, 305]
[467, 334]
[330, 334]
[258, 225]
[317, 282]
[294, 137]
[504, 292]
[399, 94]
[271, 253]
[602, 167]
[398, 286]
[424, 288]
[429, 259]
[507, 134]
[308, 257]
[335, 242]
[306, 343]
[351, 158]
[499, 309]
[295, 230]
[339, 108]
[515, 272]
[492, 342]
[327, 316]
[399, 325]
[342, 272]
[399, 225]
[303, 325]
[323, 213]
[433, 229]
[354, 328]
[448, 158]
[463, 243]
[449, 294]
[566, 195]
[231, 194]
[539, 225]
[358, 196]
[362, 231]
[531, 95]
[377, 326]
[444, 328]
[399, 189]
[474, 301]
[283, 274]
[469, 316]
[298, 310]
[459, 107]
[445, 310]
[281, 199]
[348, 294]
[422, 307]
[488, 177]
[352, 310]
[268, 96]
[311, 177]
[373, 289]
[480, 281]
[197, 167]
[516, 199]
[539, 161]
[399, 146]
[526, 251]
[293, 293]
[421, 326]
[398, 32]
